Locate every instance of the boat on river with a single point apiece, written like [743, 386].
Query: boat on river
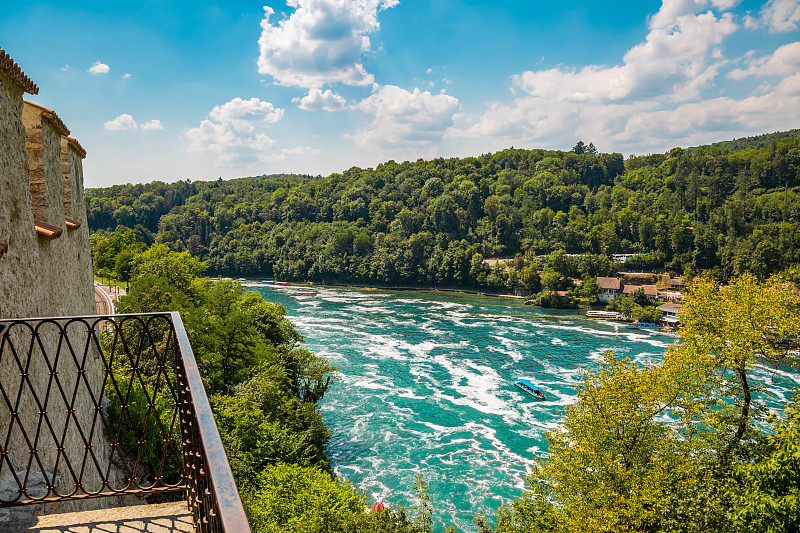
[643, 325]
[305, 292]
[604, 314]
[530, 388]
[282, 284]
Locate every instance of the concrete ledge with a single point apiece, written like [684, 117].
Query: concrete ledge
[159, 518]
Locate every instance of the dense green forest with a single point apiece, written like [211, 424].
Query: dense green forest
[433, 222]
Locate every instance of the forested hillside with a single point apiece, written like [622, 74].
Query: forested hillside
[758, 141]
[433, 222]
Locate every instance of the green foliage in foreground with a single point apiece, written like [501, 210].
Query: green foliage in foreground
[678, 446]
[769, 499]
[302, 499]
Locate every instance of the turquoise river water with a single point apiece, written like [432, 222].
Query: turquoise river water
[426, 384]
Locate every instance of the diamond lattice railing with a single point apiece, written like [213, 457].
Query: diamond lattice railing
[105, 406]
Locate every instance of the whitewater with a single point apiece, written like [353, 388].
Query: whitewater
[425, 384]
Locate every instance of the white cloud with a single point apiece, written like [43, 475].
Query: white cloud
[783, 62]
[127, 122]
[725, 5]
[65, 67]
[404, 119]
[701, 122]
[781, 15]
[321, 42]
[677, 63]
[99, 68]
[286, 153]
[122, 122]
[245, 115]
[127, 75]
[675, 60]
[154, 124]
[318, 100]
[231, 132]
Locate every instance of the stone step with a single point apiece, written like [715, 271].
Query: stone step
[157, 518]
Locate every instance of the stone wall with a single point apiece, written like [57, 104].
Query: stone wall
[46, 271]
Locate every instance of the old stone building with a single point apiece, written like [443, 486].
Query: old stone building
[45, 271]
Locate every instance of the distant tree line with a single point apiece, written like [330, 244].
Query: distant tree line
[434, 222]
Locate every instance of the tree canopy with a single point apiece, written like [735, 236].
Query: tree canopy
[725, 211]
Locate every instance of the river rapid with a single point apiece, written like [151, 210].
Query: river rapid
[426, 384]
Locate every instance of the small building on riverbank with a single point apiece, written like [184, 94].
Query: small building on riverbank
[610, 288]
[649, 290]
[670, 313]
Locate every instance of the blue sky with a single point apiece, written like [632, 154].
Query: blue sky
[176, 90]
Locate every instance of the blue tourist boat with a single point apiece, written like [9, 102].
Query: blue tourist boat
[530, 388]
[643, 325]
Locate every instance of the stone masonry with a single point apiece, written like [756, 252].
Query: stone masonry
[45, 271]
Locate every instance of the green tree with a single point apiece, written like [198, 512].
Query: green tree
[731, 329]
[767, 498]
[424, 520]
[615, 458]
[551, 280]
[640, 299]
[253, 441]
[116, 252]
[296, 498]
[590, 289]
[646, 314]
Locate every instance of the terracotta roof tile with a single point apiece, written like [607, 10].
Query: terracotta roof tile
[608, 283]
[649, 290]
[77, 146]
[12, 70]
[51, 116]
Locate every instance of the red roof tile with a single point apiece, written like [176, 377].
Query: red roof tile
[608, 283]
[12, 70]
[51, 116]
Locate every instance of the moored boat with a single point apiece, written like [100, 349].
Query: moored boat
[530, 388]
[283, 284]
[304, 293]
[603, 314]
[644, 325]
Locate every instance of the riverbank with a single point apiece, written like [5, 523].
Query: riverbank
[404, 288]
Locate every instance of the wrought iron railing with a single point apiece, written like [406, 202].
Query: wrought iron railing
[99, 406]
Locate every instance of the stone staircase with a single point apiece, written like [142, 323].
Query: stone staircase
[158, 518]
